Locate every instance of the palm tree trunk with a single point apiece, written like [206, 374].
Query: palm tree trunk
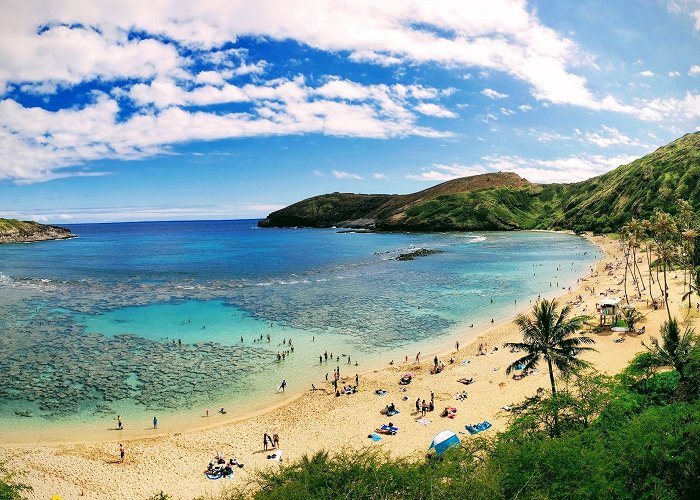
[668, 309]
[627, 265]
[639, 278]
[651, 277]
[658, 279]
[554, 394]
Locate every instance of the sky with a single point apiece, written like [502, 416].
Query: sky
[168, 110]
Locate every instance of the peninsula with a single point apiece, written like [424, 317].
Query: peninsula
[506, 201]
[17, 231]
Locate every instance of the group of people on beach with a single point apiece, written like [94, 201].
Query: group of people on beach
[422, 407]
[272, 439]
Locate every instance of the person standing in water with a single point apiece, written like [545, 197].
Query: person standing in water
[119, 422]
[282, 386]
[155, 422]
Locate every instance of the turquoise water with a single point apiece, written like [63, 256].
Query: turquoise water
[173, 317]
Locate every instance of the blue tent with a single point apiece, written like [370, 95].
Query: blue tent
[444, 440]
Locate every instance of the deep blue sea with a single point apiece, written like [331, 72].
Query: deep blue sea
[174, 317]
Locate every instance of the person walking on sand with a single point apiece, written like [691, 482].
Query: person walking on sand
[424, 407]
[457, 345]
[121, 453]
[155, 422]
[282, 386]
[276, 440]
[265, 441]
[418, 357]
[417, 404]
[119, 422]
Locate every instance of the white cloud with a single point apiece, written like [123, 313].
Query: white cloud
[567, 169]
[318, 173]
[379, 175]
[441, 172]
[646, 73]
[431, 109]
[92, 41]
[690, 8]
[673, 74]
[524, 108]
[694, 70]
[610, 136]
[541, 136]
[669, 108]
[492, 94]
[149, 51]
[339, 174]
[42, 144]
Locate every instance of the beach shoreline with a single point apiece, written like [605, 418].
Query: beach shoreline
[98, 427]
[173, 461]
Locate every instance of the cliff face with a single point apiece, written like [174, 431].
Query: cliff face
[15, 231]
[502, 201]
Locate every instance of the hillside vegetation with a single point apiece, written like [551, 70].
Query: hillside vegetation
[16, 231]
[504, 200]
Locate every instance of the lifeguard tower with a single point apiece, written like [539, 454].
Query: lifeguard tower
[609, 310]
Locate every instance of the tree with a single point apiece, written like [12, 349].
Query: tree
[674, 348]
[549, 335]
[689, 237]
[632, 316]
[665, 229]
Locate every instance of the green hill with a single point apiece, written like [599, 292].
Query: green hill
[16, 231]
[504, 200]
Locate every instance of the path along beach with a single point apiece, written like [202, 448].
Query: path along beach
[174, 461]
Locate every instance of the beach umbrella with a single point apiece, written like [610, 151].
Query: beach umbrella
[444, 440]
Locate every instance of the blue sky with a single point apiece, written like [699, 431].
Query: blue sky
[119, 111]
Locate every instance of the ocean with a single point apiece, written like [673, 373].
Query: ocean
[173, 318]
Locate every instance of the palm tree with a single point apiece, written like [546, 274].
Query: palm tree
[689, 237]
[693, 286]
[674, 348]
[549, 336]
[665, 229]
[632, 316]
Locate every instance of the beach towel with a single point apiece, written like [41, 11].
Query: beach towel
[375, 437]
[465, 362]
[392, 413]
[423, 421]
[277, 456]
[380, 392]
[471, 430]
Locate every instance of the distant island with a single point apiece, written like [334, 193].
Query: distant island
[506, 201]
[17, 231]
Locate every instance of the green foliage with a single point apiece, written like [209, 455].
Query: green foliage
[160, 496]
[370, 474]
[9, 489]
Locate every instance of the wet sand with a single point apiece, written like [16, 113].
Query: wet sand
[174, 460]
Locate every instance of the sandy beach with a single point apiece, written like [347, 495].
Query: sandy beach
[317, 420]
